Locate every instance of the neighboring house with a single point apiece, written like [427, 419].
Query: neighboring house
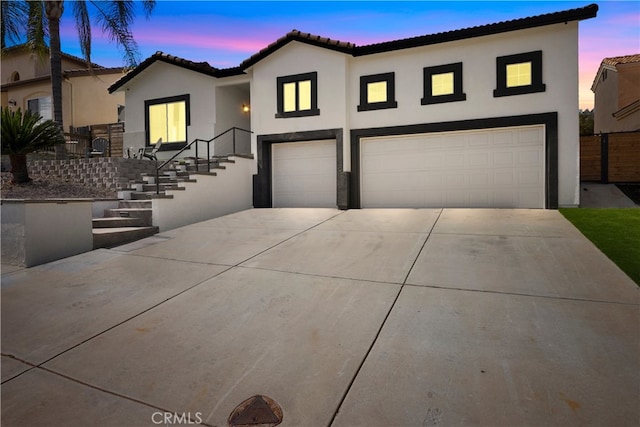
[26, 84]
[617, 95]
[478, 117]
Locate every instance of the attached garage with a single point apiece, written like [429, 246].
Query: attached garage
[499, 167]
[304, 174]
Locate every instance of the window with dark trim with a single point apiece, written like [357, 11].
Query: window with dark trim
[519, 74]
[443, 83]
[297, 95]
[167, 119]
[377, 92]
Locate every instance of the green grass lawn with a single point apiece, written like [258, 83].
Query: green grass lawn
[616, 232]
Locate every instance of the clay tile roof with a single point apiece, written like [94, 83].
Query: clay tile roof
[627, 59]
[295, 35]
[586, 12]
[199, 67]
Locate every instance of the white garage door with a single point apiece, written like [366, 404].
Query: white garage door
[483, 168]
[304, 174]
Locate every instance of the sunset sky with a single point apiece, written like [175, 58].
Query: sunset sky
[224, 33]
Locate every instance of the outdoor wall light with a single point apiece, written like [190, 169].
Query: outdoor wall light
[245, 108]
[12, 102]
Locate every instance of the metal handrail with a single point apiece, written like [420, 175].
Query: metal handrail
[195, 141]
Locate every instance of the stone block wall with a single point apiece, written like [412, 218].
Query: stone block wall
[106, 172]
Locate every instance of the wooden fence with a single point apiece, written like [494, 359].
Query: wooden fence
[610, 157]
[113, 133]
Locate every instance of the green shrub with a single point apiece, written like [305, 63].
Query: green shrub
[23, 133]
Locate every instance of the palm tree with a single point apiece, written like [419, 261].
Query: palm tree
[115, 18]
[25, 133]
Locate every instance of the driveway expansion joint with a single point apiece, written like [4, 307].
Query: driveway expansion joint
[519, 294]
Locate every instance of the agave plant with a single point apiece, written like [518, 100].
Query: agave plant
[23, 133]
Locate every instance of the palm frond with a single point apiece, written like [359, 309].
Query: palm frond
[83, 25]
[26, 132]
[148, 6]
[13, 20]
[116, 20]
[37, 29]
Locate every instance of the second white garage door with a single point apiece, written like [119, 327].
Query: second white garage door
[481, 168]
[304, 174]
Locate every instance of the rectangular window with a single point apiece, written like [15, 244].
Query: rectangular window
[443, 83]
[289, 97]
[377, 92]
[167, 120]
[41, 106]
[304, 95]
[297, 95]
[519, 74]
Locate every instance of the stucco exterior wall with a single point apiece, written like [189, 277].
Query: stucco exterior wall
[91, 102]
[210, 197]
[628, 83]
[606, 102]
[229, 99]
[163, 80]
[298, 58]
[618, 87]
[85, 98]
[28, 237]
[20, 63]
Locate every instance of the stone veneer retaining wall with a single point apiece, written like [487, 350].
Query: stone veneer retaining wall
[107, 172]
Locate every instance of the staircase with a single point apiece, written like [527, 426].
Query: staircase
[132, 219]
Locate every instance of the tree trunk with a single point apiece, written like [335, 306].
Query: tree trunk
[53, 10]
[19, 171]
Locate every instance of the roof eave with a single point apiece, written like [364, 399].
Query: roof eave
[297, 36]
[586, 12]
[171, 60]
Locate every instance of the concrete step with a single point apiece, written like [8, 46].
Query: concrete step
[203, 168]
[110, 237]
[152, 187]
[144, 213]
[223, 159]
[117, 222]
[163, 179]
[137, 203]
[148, 195]
[143, 186]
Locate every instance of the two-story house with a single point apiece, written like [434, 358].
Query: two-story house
[26, 84]
[478, 117]
[617, 95]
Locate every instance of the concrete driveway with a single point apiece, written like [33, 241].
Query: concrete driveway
[423, 317]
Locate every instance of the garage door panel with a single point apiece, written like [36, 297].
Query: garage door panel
[483, 168]
[304, 174]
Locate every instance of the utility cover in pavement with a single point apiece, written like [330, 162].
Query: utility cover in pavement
[256, 411]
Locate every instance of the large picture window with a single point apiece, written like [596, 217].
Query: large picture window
[297, 95]
[377, 92]
[519, 74]
[443, 83]
[167, 120]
